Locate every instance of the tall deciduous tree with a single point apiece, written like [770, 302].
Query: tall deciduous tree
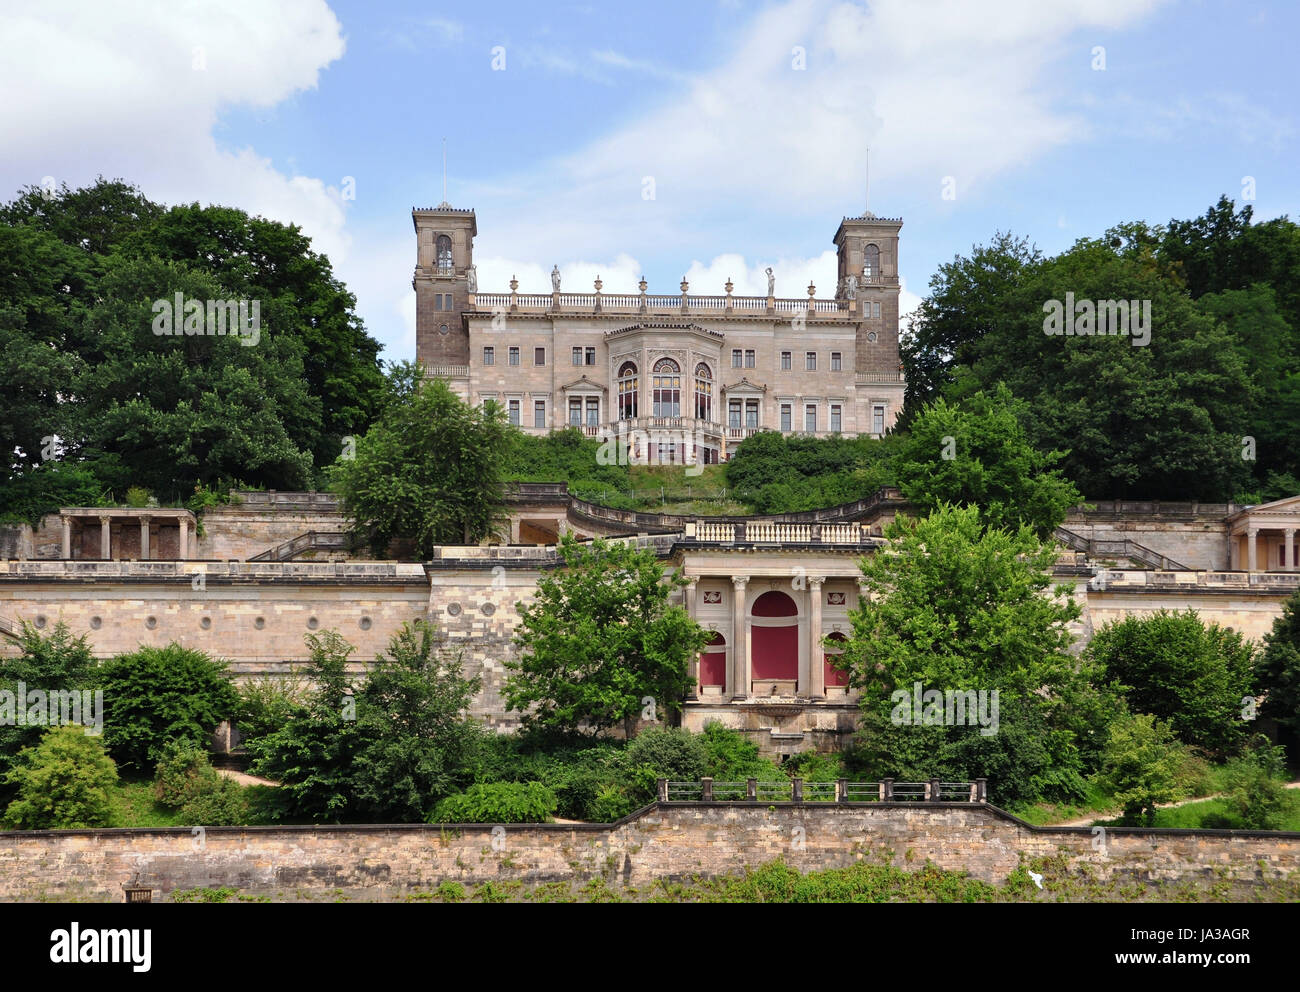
[600, 637]
[977, 453]
[429, 470]
[1277, 673]
[958, 607]
[1194, 675]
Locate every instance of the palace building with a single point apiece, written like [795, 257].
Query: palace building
[675, 374]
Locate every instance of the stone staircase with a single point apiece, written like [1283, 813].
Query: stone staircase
[313, 540]
[1122, 548]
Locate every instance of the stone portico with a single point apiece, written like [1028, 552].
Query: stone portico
[117, 533]
[1263, 538]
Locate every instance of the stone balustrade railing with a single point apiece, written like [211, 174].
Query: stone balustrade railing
[706, 531]
[656, 303]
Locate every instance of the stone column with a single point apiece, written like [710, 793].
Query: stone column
[738, 676]
[1290, 549]
[67, 537]
[816, 686]
[182, 552]
[1252, 562]
[144, 538]
[688, 594]
[105, 538]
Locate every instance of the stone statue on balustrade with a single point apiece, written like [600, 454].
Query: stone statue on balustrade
[555, 279]
[471, 279]
[771, 282]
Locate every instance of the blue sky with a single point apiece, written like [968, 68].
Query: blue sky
[271, 106]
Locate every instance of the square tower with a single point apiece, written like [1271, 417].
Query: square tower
[445, 254]
[867, 247]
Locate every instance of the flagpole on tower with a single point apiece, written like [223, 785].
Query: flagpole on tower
[444, 170]
[867, 170]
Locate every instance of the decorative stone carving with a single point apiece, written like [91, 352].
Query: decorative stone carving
[471, 279]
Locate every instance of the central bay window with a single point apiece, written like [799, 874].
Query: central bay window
[627, 388]
[703, 392]
[667, 389]
[575, 411]
[733, 413]
[593, 411]
[751, 413]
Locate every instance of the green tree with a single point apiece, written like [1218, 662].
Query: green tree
[428, 470]
[311, 756]
[57, 662]
[598, 638]
[1277, 671]
[156, 695]
[65, 781]
[1256, 793]
[958, 607]
[416, 741]
[1192, 674]
[977, 453]
[1141, 767]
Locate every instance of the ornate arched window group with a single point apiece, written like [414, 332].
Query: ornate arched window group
[444, 253]
[667, 383]
[627, 390]
[871, 263]
[703, 392]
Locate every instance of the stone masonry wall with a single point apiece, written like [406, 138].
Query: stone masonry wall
[672, 841]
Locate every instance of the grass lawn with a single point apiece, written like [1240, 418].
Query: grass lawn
[1193, 816]
[135, 806]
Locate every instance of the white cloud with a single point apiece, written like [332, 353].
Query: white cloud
[134, 90]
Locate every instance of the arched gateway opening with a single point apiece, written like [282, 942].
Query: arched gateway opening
[774, 639]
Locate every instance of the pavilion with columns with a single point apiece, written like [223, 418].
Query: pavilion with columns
[1263, 538]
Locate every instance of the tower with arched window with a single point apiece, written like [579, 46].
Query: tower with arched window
[444, 254]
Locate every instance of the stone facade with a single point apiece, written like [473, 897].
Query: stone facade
[669, 376]
[669, 841]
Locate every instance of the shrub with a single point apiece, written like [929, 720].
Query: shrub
[267, 704]
[450, 891]
[611, 803]
[1141, 766]
[669, 752]
[813, 767]
[64, 781]
[183, 773]
[500, 802]
[732, 757]
[1256, 793]
[137, 497]
[155, 695]
[225, 804]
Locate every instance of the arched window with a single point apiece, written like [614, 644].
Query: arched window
[774, 638]
[713, 662]
[833, 648]
[444, 253]
[667, 389]
[871, 263]
[627, 389]
[703, 392]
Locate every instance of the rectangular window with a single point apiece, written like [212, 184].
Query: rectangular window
[835, 361]
[875, 309]
[785, 361]
[786, 414]
[514, 412]
[751, 413]
[733, 413]
[446, 302]
[593, 411]
[575, 411]
[539, 356]
[437, 301]
[577, 356]
[877, 419]
[835, 417]
[735, 358]
[591, 356]
[539, 413]
[749, 358]
[489, 355]
[514, 356]
[810, 418]
[810, 361]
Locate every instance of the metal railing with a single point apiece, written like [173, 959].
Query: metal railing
[796, 790]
